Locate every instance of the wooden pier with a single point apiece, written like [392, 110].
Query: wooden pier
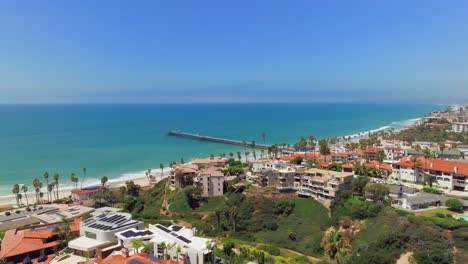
[250, 144]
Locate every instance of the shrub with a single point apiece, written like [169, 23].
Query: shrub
[272, 250]
[270, 224]
[454, 205]
[297, 160]
[441, 215]
[228, 245]
[284, 207]
[430, 190]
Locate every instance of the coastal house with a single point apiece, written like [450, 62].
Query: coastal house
[393, 153]
[181, 244]
[261, 164]
[84, 194]
[205, 163]
[98, 233]
[460, 127]
[18, 245]
[339, 157]
[371, 153]
[287, 178]
[211, 181]
[181, 173]
[451, 175]
[324, 184]
[420, 201]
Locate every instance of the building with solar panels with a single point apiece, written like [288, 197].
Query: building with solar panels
[99, 232]
[181, 244]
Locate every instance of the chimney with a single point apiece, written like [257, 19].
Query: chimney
[124, 252]
[455, 169]
[431, 164]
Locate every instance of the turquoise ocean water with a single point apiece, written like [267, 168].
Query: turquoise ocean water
[120, 141]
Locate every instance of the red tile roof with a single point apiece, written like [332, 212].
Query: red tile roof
[340, 154]
[347, 166]
[17, 242]
[305, 156]
[85, 191]
[383, 166]
[447, 166]
[372, 150]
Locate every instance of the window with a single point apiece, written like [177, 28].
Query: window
[90, 235]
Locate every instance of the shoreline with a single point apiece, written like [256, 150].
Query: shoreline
[140, 177]
[66, 192]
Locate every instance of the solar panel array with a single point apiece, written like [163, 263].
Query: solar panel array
[106, 222]
[163, 228]
[131, 233]
[176, 228]
[184, 239]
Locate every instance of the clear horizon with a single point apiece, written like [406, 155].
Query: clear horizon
[104, 52]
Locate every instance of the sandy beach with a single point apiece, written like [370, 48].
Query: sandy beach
[113, 184]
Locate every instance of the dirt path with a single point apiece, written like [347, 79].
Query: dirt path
[404, 258]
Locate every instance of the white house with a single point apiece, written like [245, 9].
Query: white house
[460, 127]
[181, 244]
[99, 231]
[451, 175]
[259, 165]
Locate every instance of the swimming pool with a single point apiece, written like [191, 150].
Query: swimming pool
[464, 217]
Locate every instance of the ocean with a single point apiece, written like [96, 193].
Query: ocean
[121, 141]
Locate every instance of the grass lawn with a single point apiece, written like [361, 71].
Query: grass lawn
[433, 212]
[308, 222]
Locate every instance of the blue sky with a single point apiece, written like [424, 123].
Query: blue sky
[233, 51]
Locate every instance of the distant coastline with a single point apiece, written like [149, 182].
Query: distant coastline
[150, 148]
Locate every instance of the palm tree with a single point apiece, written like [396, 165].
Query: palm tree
[311, 142]
[239, 155]
[336, 245]
[16, 190]
[104, 179]
[50, 188]
[262, 151]
[380, 155]
[161, 166]
[178, 251]
[231, 155]
[163, 247]
[20, 198]
[63, 230]
[74, 180]
[441, 147]
[234, 213]
[264, 136]
[84, 176]
[416, 163]
[430, 179]
[37, 184]
[182, 160]
[218, 217]
[427, 154]
[56, 182]
[246, 156]
[24, 188]
[254, 155]
[324, 148]
[46, 177]
[137, 243]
